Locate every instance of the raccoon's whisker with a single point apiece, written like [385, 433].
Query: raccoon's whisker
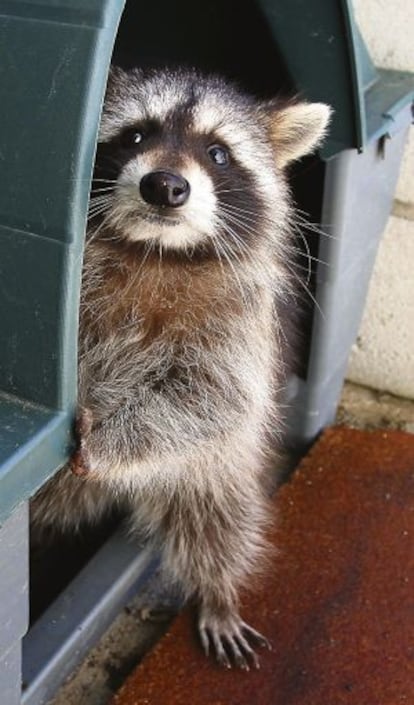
[237, 235]
[230, 190]
[234, 272]
[217, 251]
[230, 254]
[98, 206]
[238, 220]
[119, 219]
[241, 246]
[280, 333]
[224, 244]
[92, 179]
[243, 219]
[98, 211]
[97, 202]
[294, 263]
[231, 251]
[100, 198]
[96, 231]
[300, 221]
[308, 292]
[240, 224]
[148, 248]
[236, 209]
[93, 212]
[103, 189]
[103, 184]
[244, 216]
[295, 246]
[107, 181]
[309, 256]
[299, 232]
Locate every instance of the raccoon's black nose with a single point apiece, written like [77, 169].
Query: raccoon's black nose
[163, 188]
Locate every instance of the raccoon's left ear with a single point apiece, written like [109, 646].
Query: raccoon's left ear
[296, 128]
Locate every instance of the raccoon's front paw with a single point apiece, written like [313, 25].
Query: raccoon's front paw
[230, 639]
[79, 462]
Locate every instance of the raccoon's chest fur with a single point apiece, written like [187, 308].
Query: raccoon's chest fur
[149, 326]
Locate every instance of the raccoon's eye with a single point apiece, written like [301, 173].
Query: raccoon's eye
[131, 138]
[218, 154]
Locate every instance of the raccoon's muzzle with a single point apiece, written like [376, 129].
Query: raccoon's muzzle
[164, 188]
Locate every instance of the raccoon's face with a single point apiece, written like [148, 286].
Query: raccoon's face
[186, 161]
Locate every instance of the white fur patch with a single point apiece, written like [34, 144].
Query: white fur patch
[183, 227]
[155, 102]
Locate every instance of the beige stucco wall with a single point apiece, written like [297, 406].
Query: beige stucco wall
[383, 356]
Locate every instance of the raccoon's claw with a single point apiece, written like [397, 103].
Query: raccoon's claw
[262, 641]
[229, 639]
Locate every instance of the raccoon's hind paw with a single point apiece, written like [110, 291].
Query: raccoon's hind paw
[229, 638]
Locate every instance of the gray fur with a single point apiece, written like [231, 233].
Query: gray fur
[179, 364]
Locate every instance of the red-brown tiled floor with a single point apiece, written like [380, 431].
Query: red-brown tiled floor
[339, 606]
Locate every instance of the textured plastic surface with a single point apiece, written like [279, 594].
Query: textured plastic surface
[14, 572]
[54, 59]
[63, 635]
[327, 60]
[358, 191]
[10, 669]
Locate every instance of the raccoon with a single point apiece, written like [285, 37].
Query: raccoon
[181, 345]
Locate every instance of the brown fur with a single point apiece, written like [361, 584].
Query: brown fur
[170, 298]
[181, 356]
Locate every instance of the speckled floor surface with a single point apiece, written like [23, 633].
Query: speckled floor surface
[129, 638]
[339, 605]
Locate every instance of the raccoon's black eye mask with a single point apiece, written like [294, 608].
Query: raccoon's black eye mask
[132, 137]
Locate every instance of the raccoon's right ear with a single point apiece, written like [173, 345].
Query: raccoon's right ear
[296, 129]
